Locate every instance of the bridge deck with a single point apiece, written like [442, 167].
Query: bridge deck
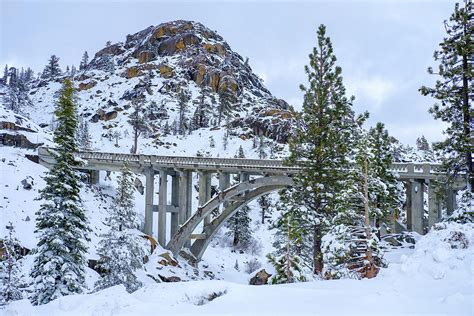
[138, 163]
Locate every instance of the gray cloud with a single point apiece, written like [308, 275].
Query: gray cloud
[384, 47]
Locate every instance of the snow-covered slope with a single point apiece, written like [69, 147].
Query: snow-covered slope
[432, 279]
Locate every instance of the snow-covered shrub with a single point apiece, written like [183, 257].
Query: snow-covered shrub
[344, 249]
[465, 210]
[252, 265]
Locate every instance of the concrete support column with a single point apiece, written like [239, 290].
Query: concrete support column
[450, 200]
[204, 192]
[415, 206]
[94, 176]
[162, 205]
[175, 202]
[149, 192]
[224, 183]
[434, 206]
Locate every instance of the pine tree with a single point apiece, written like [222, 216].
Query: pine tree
[289, 237]
[239, 223]
[84, 61]
[386, 193]
[183, 98]
[227, 101]
[261, 148]
[324, 138]
[120, 251]
[84, 138]
[5, 75]
[10, 277]
[265, 207]
[139, 124]
[166, 129]
[52, 69]
[455, 92]
[225, 140]
[59, 265]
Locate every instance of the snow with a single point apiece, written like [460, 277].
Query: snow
[412, 284]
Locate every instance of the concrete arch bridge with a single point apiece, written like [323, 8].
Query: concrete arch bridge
[257, 177]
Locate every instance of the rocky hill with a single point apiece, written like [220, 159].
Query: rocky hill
[156, 67]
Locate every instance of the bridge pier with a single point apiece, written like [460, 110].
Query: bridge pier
[149, 192]
[205, 192]
[94, 176]
[162, 206]
[415, 209]
[224, 183]
[175, 202]
[450, 200]
[434, 206]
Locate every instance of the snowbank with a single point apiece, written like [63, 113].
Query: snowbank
[435, 278]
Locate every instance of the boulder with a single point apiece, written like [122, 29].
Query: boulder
[169, 279]
[168, 260]
[166, 71]
[260, 278]
[132, 72]
[87, 85]
[27, 183]
[145, 56]
[110, 115]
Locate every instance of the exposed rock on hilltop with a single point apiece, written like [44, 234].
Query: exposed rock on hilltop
[181, 72]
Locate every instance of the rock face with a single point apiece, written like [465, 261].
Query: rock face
[158, 63]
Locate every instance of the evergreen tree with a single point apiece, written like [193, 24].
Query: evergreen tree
[166, 129]
[324, 139]
[52, 69]
[227, 101]
[455, 92]
[59, 265]
[10, 277]
[386, 193]
[84, 61]
[287, 257]
[84, 138]
[203, 110]
[5, 75]
[120, 251]
[261, 148]
[225, 140]
[265, 207]
[239, 223]
[183, 98]
[138, 122]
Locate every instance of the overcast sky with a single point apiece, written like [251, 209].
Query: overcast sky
[383, 47]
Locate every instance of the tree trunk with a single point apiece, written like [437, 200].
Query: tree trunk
[467, 121]
[135, 141]
[317, 253]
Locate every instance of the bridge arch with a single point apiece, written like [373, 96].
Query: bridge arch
[249, 190]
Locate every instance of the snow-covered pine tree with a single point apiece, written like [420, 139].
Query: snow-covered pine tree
[455, 91]
[324, 138]
[84, 61]
[289, 242]
[5, 75]
[84, 138]
[61, 223]
[239, 223]
[10, 275]
[265, 207]
[52, 69]
[138, 122]
[183, 98]
[120, 251]
[227, 101]
[225, 140]
[262, 154]
[386, 193]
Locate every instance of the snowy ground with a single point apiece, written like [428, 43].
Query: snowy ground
[432, 279]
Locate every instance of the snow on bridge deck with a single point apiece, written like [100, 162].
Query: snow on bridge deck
[138, 163]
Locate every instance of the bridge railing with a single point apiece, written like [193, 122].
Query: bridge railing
[226, 163]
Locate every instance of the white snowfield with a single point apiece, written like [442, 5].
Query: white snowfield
[432, 279]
